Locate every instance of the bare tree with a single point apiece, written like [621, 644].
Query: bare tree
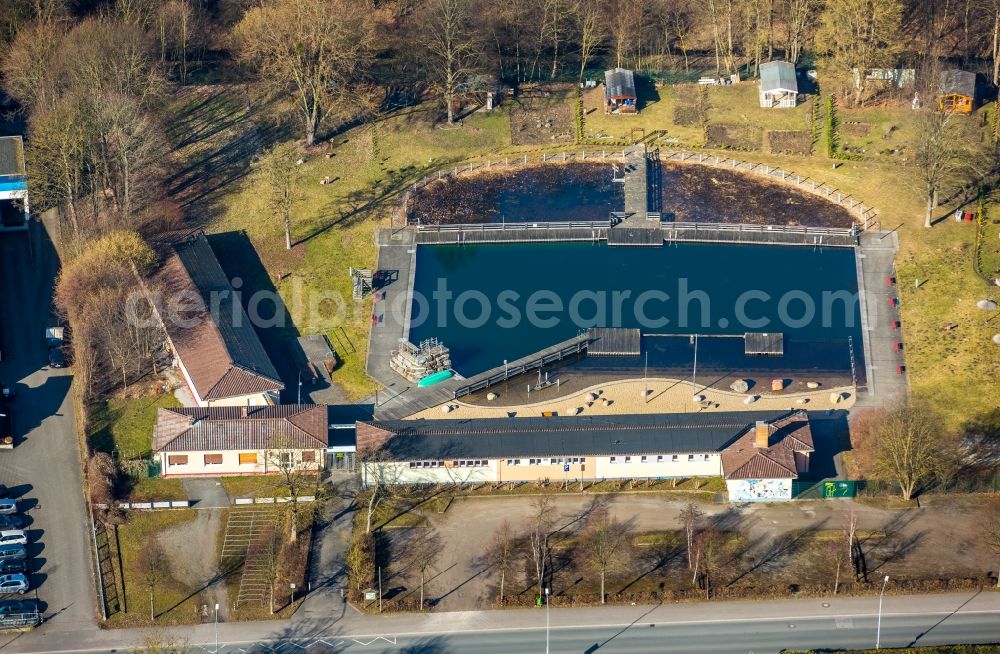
[988, 526]
[902, 443]
[798, 18]
[380, 477]
[422, 549]
[318, 49]
[850, 538]
[539, 531]
[590, 29]
[450, 47]
[602, 544]
[266, 551]
[297, 475]
[939, 150]
[154, 569]
[279, 174]
[859, 35]
[501, 552]
[689, 517]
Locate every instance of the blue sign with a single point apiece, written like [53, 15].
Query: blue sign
[566, 468]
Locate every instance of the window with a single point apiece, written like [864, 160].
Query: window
[475, 463]
[248, 458]
[706, 457]
[213, 459]
[177, 460]
[690, 457]
[628, 459]
[673, 458]
[308, 456]
[642, 459]
[513, 462]
[614, 459]
[659, 458]
[534, 462]
[284, 458]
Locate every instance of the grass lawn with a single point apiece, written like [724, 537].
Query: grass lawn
[126, 425]
[257, 486]
[656, 112]
[739, 104]
[174, 602]
[156, 489]
[941, 649]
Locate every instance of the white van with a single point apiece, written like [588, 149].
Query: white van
[13, 537]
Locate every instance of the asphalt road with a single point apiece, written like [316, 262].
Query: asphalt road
[43, 469]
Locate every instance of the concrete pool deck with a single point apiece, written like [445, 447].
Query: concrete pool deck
[664, 396]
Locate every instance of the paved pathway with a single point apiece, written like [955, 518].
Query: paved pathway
[875, 265]
[44, 469]
[206, 492]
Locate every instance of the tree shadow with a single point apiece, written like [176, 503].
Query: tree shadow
[239, 260]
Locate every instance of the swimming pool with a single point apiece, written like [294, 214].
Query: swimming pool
[493, 302]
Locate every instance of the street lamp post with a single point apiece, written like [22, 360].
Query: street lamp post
[546, 621]
[216, 628]
[878, 629]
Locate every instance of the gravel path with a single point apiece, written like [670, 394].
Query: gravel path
[191, 548]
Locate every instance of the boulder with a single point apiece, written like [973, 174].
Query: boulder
[740, 386]
[996, 338]
[750, 399]
[491, 396]
[698, 398]
[812, 384]
[986, 305]
[835, 398]
[777, 384]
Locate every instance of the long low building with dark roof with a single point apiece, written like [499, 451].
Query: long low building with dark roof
[758, 452]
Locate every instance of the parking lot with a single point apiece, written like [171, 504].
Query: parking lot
[43, 470]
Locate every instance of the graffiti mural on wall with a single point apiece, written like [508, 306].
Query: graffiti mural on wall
[760, 490]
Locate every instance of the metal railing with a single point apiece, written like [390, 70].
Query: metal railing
[575, 345]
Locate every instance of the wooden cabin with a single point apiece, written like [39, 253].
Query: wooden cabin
[957, 91]
[619, 92]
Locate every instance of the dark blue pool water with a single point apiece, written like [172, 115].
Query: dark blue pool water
[488, 303]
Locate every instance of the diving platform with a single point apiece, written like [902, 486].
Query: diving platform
[614, 342]
[764, 344]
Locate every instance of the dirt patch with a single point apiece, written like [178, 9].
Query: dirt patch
[692, 107]
[550, 192]
[789, 141]
[688, 115]
[734, 137]
[765, 549]
[191, 547]
[541, 114]
[698, 193]
[856, 129]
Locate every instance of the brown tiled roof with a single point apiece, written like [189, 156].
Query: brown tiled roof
[789, 434]
[222, 354]
[294, 426]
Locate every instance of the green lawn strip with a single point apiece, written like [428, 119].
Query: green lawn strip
[174, 602]
[271, 485]
[126, 426]
[156, 489]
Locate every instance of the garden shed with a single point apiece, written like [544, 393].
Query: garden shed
[778, 86]
[619, 92]
[957, 91]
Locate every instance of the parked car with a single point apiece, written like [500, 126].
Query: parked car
[10, 566]
[6, 428]
[11, 522]
[14, 607]
[54, 339]
[15, 583]
[13, 537]
[8, 506]
[8, 552]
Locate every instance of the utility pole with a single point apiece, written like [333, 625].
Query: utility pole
[216, 628]
[546, 621]
[645, 382]
[878, 629]
[694, 373]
